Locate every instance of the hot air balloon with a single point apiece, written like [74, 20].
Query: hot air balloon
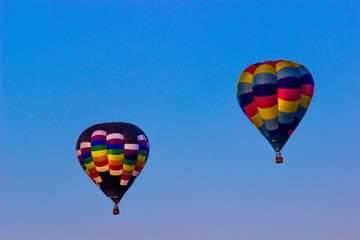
[113, 155]
[275, 95]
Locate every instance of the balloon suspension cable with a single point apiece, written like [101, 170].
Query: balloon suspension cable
[278, 158]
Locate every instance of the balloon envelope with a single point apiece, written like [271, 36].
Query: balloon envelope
[113, 155]
[275, 95]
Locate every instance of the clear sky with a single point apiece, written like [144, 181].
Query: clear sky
[172, 69]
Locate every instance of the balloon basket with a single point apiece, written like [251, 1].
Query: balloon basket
[116, 210]
[278, 158]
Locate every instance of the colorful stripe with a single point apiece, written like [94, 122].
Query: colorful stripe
[115, 152]
[99, 150]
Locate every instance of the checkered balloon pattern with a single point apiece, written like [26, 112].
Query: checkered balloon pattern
[113, 155]
[275, 95]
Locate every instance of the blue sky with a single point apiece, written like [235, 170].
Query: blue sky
[172, 69]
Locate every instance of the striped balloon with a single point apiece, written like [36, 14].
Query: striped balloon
[113, 155]
[275, 95]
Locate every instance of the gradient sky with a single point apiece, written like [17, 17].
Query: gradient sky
[172, 69]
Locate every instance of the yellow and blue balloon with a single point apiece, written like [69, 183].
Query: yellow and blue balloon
[275, 95]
